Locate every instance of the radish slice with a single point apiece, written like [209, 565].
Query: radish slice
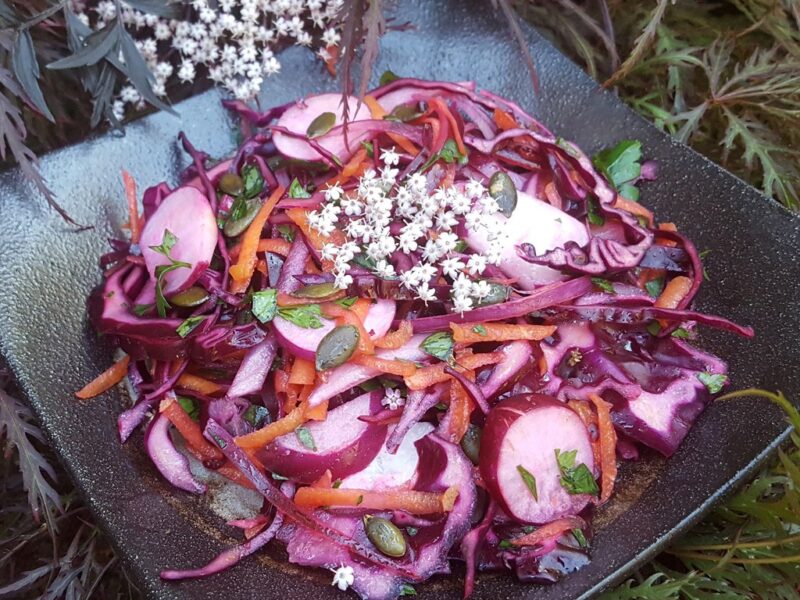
[303, 342]
[537, 223]
[526, 431]
[298, 117]
[171, 464]
[392, 471]
[349, 375]
[188, 216]
[344, 444]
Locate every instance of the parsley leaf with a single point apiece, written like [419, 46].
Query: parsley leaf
[407, 590]
[168, 241]
[253, 181]
[655, 286]
[412, 531]
[713, 381]
[141, 310]
[304, 437]
[603, 284]
[439, 345]
[189, 405]
[621, 163]
[298, 191]
[530, 481]
[575, 479]
[449, 154]
[653, 328]
[369, 148]
[681, 333]
[189, 325]
[265, 305]
[307, 316]
[580, 538]
[594, 217]
[479, 329]
[506, 545]
[346, 302]
[388, 77]
[287, 232]
[278, 477]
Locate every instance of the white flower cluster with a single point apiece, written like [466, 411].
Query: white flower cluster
[424, 222]
[393, 398]
[231, 39]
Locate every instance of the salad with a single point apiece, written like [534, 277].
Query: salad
[420, 325]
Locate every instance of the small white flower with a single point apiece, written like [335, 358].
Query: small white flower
[384, 269]
[390, 157]
[408, 242]
[343, 281]
[329, 251]
[447, 241]
[452, 267]
[352, 207]
[462, 285]
[417, 183]
[410, 279]
[425, 293]
[476, 264]
[393, 399]
[460, 204]
[186, 73]
[473, 220]
[432, 251]
[481, 289]
[474, 189]
[462, 303]
[446, 220]
[334, 193]
[330, 37]
[343, 577]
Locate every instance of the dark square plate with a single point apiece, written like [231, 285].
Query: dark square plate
[48, 271]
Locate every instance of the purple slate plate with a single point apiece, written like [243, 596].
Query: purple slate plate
[47, 272]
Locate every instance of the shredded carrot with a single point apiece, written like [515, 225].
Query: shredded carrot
[378, 112]
[589, 418]
[189, 429]
[360, 308]
[553, 529]
[292, 398]
[668, 227]
[106, 380]
[198, 384]
[634, 208]
[268, 433]
[460, 411]
[504, 120]
[428, 376]
[133, 208]
[674, 292]
[325, 480]
[396, 339]
[608, 447]
[353, 166]
[281, 381]
[261, 267]
[275, 246]
[439, 134]
[552, 195]
[411, 501]
[318, 412]
[303, 372]
[242, 271]
[299, 217]
[499, 332]
[403, 368]
[444, 112]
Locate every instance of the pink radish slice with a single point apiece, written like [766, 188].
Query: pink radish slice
[344, 444]
[391, 471]
[539, 224]
[303, 342]
[213, 174]
[349, 375]
[526, 431]
[187, 215]
[298, 117]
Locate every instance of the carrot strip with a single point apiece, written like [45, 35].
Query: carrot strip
[275, 246]
[460, 411]
[242, 271]
[189, 429]
[325, 480]
[444, 112]
[281, 381]
[550, 530]
[674, 292]
[396, 339]
[608, 447]
[634, 208]
[499, 332]
[318, 412]
[412, 501]
[439, 134]
[106, 380]
[589, 418]
[403, 368]
[378, 112]
[504, 120]
[668, 227]
[303, 372]
[270, 432]
[428, 376]
[133, 208]
[197, 384]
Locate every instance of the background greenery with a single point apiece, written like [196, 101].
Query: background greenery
[722, 76]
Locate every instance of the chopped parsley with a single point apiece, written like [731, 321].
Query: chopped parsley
[189, 325]
[304, 437]
[621, 165]
[530, 481]
[287, 232]
[592, 214]
[713, 381]
[603, 284]
[265, 305]
[439, 345]
[407, 590]
[479, 329]
[189, 405]
[682, 333]
[307, 316]
[575, 479]
[654, 287]
[168, 241]
[298, 191]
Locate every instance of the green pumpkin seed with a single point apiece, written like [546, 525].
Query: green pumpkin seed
[231, 184]
[316, 291]
[403, 113]
[502, 189]
[336, 347]
[321, 125]
[471, 443]
[234, 227]
[385, 536]
[499, 293]
[190, 298]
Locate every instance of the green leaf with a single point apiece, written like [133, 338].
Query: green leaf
[297, 191]
[654, 287]
[682, 333]
[479, 329]
[580, 538]
[449, 154]
[256, 415]
[388, 77]
[161, 271]
[141, 310]
[368, 147]
[620, 164]
[439, 345]
[253, 181]
[506, 545]
[26, 70]
[603, 284]
[167, 9]
[653, 328]
[346, 302]
[190, 405]
[189, 325]
[287, 232]
[592, 214]
[407, 590]
[265, 305]
[304, 437]
[575, 479]
[307, 316]
[168, 241]
[629, 191]
[336, 484]
[714, 382]
[530, 481]
[95, 47]
[412, 531]
[278, 477]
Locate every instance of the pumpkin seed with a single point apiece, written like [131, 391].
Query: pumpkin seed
[194, 296]
[502, 189]
[234, 227]
[316, 290]
[336, 347]
[403, 113]
[471, 443]
[499, 293]
[385, 536]
[231, 184]
[321, 125]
